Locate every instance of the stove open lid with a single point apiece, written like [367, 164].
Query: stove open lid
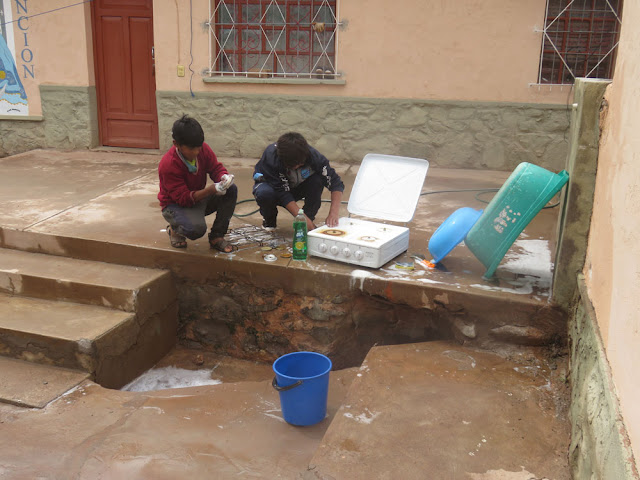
[388, 187]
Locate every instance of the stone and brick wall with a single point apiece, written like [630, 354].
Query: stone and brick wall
[495, 136]
[69, 122]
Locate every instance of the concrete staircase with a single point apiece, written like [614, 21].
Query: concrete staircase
[90, 319]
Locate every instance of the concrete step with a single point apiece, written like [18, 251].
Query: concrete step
[111, 345]
[28, 384]
[131, 289]
[424, 304]
[438, 410]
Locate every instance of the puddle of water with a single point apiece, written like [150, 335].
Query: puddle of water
[170, 377]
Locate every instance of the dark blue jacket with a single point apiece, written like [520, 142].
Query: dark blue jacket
[275, 173]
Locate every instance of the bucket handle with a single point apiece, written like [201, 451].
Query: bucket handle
[274, 384]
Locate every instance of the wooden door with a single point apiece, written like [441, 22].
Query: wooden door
[125, 72]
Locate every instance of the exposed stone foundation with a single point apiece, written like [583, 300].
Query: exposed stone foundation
[261, 323]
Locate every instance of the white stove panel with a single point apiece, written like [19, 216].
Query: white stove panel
[360, 242]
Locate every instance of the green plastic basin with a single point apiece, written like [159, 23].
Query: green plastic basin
[523, 195]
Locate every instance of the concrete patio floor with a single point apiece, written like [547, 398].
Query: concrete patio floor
[111, 197]
[420, 411]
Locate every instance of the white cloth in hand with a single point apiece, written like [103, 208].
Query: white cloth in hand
[225, 182]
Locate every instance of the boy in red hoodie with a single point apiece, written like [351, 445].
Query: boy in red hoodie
[184, 196]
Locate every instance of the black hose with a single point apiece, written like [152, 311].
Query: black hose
[481, 191]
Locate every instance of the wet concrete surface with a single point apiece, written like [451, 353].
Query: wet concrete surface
[108, 211]
[434, 410]
[111, 197]
[236, 429]
[430, 410]
[231, 430]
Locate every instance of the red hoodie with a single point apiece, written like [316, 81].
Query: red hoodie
[177, 185]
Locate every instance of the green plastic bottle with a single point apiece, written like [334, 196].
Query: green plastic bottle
[300, 236]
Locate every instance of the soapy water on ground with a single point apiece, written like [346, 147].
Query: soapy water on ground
[170, 377]
[534, 260]
[531, 263]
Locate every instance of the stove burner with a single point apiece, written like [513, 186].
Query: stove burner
[368, 238]
[334, 232]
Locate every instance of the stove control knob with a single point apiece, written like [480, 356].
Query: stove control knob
[334, 249]
[322, 247]
[346, 252]
[359, 255]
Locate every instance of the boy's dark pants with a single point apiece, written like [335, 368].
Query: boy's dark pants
[190, 221]
[268, 198]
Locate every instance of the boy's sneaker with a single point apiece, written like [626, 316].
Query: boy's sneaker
[267, 227]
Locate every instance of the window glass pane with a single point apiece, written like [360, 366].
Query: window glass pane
[229, 63]
[323, 42]
[251, 40]
[324, 14]
[296, 63]
[255, 62]
[299, 41]
[300, 15]
[228, 39]
[275, 15]
[555, 7]
[276, 40]
[226, 13]
[251, 13]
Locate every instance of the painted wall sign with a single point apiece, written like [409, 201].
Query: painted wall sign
[13, 97]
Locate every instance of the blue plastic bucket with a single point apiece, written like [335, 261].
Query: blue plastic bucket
[302, 379]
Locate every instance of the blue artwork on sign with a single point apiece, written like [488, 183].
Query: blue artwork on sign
[13, 98]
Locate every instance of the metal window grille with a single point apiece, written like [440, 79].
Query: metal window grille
[579, 40]
[273, 38]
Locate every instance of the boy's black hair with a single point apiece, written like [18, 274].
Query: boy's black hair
[188, 132]
[292, 149]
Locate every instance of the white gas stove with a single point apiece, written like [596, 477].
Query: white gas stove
[387, 188]
[364, 243]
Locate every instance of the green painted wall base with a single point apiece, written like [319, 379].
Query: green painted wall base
[475, 135]
[582, 163]
[496, 136]
[600, 447]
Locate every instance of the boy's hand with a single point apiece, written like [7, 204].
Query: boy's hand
[332, 220]
[224, 183]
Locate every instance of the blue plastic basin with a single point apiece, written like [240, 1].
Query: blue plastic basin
[452, 231]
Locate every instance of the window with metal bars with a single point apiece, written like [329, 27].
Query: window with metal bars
[273, 38]
[579, 40]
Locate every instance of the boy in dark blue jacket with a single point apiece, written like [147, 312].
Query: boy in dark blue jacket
[290, 170]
